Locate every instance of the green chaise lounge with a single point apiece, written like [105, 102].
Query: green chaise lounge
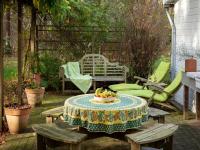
[156, 77]
[158, 94]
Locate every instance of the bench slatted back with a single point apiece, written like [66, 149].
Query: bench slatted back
[98, 65]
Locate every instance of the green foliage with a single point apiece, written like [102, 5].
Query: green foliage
[49, 66]
[10, 91]
[10, 70]
[63, 11]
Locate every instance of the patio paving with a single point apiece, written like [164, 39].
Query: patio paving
[187, 136]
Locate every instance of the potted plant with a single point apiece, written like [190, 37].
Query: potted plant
[34, 92]
[17, 114]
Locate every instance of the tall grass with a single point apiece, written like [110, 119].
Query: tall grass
[10, 69]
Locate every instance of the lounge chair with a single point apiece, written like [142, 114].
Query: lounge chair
[157, 94]
[156, 77]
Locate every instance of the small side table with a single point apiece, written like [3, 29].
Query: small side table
[189, 82]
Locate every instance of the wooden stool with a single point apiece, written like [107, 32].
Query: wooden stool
[53, 136]
[53, 114]
[159, 134]
[157, 114]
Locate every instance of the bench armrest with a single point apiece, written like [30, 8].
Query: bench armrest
[61, 73]
[140, 79]
[156, 87]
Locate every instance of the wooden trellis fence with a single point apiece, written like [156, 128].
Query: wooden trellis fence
[80, 40]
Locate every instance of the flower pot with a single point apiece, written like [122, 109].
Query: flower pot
[190, 65]
[17, 119]
[34, 96]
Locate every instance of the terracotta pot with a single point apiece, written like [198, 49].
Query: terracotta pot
[34, 96]
[42, 92]
[17, 119]
[37, 78]
[190, 65]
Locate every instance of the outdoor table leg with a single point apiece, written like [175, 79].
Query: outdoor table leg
[197, 105]
[186, 102]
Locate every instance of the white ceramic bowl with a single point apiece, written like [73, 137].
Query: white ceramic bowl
[106, 100]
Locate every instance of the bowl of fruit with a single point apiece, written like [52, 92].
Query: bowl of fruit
[104, 96]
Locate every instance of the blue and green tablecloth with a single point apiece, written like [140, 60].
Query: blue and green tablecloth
[126, 112]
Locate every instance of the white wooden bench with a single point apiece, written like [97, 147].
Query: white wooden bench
[99, 68]
[159, 136]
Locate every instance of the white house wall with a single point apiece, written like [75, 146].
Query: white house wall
[187, 20]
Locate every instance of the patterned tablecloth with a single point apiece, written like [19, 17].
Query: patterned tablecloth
[126, 112]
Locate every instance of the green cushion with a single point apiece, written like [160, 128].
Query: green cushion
[146, 94]
[160, 72]
[173, 86]
[160, 97]
[125, 86]
[157, 76]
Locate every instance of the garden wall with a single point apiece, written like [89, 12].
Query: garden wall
[187, 20]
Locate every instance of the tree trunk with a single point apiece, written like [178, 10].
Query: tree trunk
[31, 46]
[8, 23]
[33, 29]
[20, 47]
[1, 66]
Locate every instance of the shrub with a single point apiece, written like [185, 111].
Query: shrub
[10, 91]
[49, 67]
[147, 35]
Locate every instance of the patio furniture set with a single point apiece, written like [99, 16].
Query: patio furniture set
[82, 118]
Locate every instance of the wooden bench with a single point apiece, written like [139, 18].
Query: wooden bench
[56, 113]
[157, 114]
[99, 68]
[159, 136]
[53, 136]
[53, 114]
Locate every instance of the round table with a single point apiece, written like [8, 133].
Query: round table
[127, 112]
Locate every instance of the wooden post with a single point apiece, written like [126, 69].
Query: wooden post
[161, 119]
[135, 146]
[1, 66]
[197, 105]
[75, 146]
[33, 29]
[49, 119]
[20, 47]
[41, 145]
[8, 22]
[169, 144]
[186, 102]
